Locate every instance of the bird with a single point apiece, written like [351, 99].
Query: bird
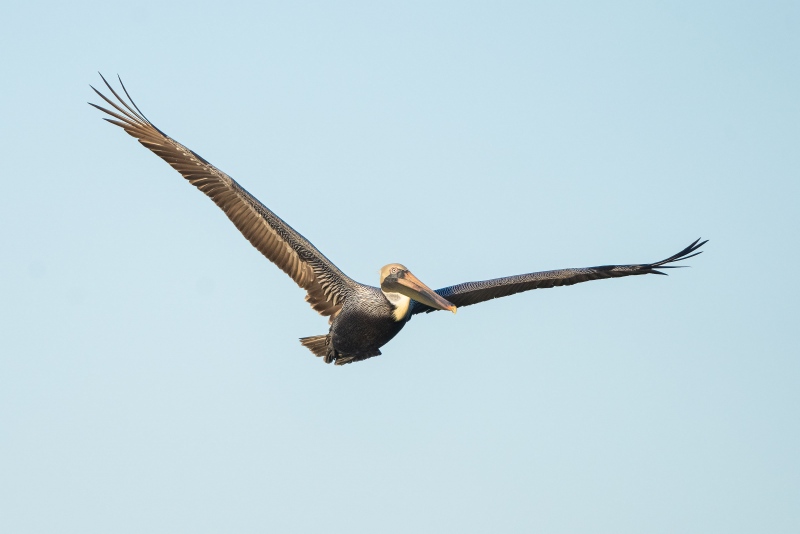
[361, 318]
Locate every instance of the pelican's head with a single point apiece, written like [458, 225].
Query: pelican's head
[398, 282]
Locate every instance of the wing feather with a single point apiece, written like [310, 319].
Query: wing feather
[470, 293]
[326, 286]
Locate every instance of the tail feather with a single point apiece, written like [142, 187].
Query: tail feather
[320, 346]
[316, 344]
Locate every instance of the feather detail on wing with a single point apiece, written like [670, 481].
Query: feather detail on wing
[326, 285]
[475, 292]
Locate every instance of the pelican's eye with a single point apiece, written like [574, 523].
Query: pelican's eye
[394, 270]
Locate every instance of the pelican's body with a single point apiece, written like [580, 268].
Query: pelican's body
[365, 324]
[362, 318]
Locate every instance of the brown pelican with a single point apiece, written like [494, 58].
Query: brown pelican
[362, 318]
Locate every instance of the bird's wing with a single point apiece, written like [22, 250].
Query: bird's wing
[475, 292]
[326, 285]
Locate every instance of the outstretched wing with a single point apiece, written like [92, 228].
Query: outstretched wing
[475, 292]
[326, 285]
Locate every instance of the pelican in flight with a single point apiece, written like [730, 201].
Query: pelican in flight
[362, 318]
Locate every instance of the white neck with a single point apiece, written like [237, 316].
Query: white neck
[400, 303]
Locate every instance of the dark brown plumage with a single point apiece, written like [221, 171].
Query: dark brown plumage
[470, 293]
[280, 243]
[362, 318]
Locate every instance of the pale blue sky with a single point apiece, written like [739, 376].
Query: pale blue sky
[151, 379]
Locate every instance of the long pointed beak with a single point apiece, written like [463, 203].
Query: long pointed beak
[411, 287]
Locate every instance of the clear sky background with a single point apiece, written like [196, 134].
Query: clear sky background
[151, 379]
